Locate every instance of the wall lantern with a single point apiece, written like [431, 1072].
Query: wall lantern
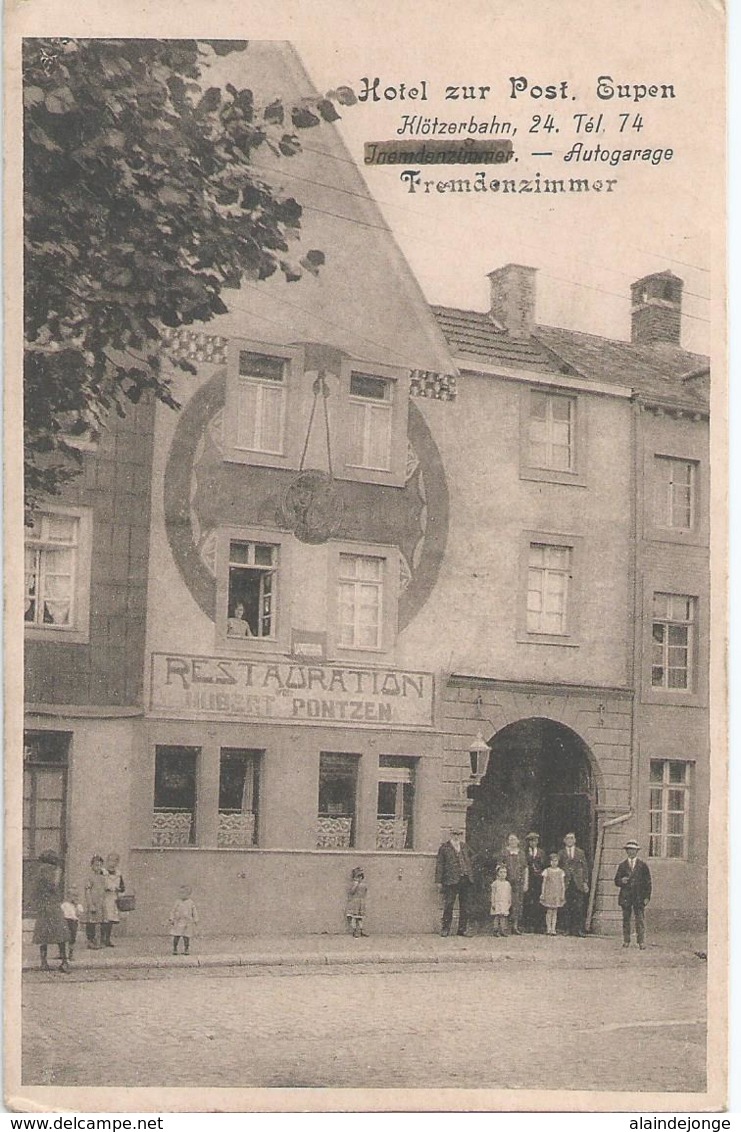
[479, 752]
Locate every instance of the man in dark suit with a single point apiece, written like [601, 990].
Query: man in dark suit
[454, 871]
[573, 861]
[633, 878]
[533, 920]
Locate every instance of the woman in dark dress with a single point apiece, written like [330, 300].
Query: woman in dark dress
[50, 926]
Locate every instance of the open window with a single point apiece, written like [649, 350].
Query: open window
[253, 569]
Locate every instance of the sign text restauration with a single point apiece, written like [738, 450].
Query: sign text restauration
[287, 691]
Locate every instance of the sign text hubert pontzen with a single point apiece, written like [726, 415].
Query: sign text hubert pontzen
[285, 691]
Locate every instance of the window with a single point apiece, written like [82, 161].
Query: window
[360, 601]
[52, 547]
[238, 796]
[672, 641]
[395, 802]
[670, 796]
[253, 570]
[551, 431]
[261, 402]
[548, 576]
[370, 422]
[338, 779]
[175, 786]
[676, 493]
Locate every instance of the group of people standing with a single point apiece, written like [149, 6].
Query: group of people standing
[530, 890]
[58, 915]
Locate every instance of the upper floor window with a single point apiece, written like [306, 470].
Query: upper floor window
[549, 573]
[551, 431]
[57, 573]
[361, 580]
[669, 808]
[673, 626]
[676, 493]
[253, 569]
[261, 403]
[370, 421]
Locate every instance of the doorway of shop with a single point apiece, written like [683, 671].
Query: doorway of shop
[45, 758]
[539, 778]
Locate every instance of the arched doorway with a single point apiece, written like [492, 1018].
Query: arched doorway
[540, 777]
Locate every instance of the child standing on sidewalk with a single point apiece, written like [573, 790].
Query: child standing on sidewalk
[72, 909]
[356, 899]
[501, 901]
[553, 893]
[94, 897]
[183, 919]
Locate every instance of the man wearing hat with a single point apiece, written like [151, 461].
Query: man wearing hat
[454, 871]
[532, 915]
[633, 878]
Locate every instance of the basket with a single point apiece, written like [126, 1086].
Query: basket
[126, 902]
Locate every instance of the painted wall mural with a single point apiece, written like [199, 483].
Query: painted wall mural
[204, 492]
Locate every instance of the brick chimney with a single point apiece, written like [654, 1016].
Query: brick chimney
[513, 298]
[656, 309]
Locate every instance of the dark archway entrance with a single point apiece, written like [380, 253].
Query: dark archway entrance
[539, 778]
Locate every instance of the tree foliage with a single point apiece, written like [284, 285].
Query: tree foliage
[141, 207]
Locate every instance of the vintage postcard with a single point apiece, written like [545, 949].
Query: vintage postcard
[365, 681]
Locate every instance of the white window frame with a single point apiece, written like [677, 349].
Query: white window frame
[546, 571]
[389, 584]
[77, 631]
[551, 397]
[570, 636]
[665, 492]
[357, 581]
[249, 450]
[280, 614]
[371, 410]
[666, 622]
[664, 787]
[398, 382]
[575, 473]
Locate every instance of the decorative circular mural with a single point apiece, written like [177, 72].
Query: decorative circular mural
[204, 492]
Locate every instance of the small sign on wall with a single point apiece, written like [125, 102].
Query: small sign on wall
[306, 645]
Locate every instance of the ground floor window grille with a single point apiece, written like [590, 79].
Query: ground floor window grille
[338, 779]
[669, 808]
[395, 802]
[238, 798]
[175, 788]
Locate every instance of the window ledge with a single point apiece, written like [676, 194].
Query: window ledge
[551, 475]
[60, 636]
[547, 639]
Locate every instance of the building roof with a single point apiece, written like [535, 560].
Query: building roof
[662, 372]
[365, 299]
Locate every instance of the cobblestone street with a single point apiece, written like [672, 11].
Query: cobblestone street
[514, 1025]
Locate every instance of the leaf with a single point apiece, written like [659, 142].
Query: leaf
[313, 260]
[227, 46]
[344, 95]
[274, 113]
[327, 110]
[32, 95]
[60, 100]
[211, 101]
[303, 119]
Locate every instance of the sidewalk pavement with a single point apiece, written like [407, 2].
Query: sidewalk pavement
[145, 952]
